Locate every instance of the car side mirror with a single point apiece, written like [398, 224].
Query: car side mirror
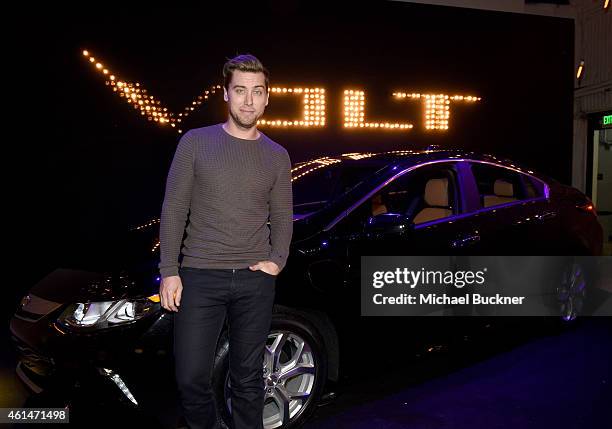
[388, 223]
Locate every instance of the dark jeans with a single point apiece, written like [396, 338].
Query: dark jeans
[209, 295]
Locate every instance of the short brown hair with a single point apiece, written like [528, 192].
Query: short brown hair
[244, 63]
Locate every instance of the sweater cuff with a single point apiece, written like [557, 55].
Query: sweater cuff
[169, 271]
[278, 261]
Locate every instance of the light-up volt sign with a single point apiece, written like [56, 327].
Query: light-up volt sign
[313, 112]
[436, 109]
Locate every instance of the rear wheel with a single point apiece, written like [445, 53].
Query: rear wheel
[572, 292]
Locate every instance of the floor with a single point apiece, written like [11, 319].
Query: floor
[504, 378]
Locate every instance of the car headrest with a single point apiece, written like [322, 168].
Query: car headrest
[436, 192]
[502, 188]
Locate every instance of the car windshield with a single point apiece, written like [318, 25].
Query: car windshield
[317, 183]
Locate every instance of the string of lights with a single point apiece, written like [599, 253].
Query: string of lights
[354, 115]
[313, 100]
[437, 107]
[300, 170]
[142, 101]
[145, 225]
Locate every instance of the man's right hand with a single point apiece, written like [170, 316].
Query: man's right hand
[170, 291]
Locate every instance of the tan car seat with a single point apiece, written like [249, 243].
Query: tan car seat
[504, 193]
[436, 197]
[378, 206]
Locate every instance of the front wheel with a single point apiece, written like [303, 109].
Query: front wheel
[294, 372]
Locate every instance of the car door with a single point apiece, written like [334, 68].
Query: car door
[429, 198]
[431, 203]
[511, 211]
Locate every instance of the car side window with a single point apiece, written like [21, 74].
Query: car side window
[312, 190]
[534, 187]
[426, 194]
[497, 185]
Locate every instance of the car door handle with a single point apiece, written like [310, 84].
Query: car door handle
[465, 240]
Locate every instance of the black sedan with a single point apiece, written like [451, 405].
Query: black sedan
[93, 331]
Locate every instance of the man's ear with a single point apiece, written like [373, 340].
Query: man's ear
[267, 98]
[225, 94]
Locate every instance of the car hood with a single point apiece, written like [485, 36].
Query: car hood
[72, 285]
[117, 266]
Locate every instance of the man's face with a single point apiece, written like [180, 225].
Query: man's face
[246, 98]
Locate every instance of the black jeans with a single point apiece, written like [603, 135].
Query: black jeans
[209, 295]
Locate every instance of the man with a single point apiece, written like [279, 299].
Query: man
[227, 180]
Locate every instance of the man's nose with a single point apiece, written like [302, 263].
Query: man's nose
[249, 99]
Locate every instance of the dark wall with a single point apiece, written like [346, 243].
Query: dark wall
[93, 164]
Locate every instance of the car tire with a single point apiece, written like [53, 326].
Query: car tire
[292, 335]
[572, 292]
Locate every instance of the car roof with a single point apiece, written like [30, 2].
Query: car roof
[402, 157]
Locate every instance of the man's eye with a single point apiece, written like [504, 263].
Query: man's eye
[257, 92]
[239, 91]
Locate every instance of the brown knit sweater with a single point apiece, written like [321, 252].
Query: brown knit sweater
[227, 188]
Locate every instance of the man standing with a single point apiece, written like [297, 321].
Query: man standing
[227, 180]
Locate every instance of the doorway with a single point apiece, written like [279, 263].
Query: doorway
[601, 178]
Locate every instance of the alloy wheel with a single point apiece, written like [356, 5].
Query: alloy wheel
[572, 292]
[289, 373]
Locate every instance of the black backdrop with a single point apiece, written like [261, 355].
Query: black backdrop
[87, 162]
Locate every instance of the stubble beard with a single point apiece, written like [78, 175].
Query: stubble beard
[241, 124]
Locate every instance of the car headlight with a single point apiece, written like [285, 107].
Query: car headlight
[106, 314]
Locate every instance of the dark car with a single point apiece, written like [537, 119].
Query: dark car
[94, 330]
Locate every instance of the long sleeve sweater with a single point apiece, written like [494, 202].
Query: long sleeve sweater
[223, 191]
